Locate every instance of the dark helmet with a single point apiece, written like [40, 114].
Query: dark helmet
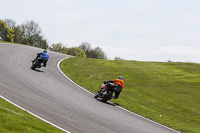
[45, 51]
[120, 77]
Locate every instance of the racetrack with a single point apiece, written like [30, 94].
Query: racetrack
[53, 97]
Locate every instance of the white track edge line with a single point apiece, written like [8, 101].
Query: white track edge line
[58, 65]
[34, 114]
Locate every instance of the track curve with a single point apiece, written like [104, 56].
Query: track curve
[50, 95]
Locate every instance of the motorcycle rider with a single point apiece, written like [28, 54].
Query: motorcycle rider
[117, 87]
[45, 57]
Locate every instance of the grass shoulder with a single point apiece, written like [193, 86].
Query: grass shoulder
[15, 120]
[1, 41]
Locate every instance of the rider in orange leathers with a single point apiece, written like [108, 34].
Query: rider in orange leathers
[117, 87]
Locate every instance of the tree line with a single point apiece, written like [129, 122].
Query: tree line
[83, 50]
[30, 33]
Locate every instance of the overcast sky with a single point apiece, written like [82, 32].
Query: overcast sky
[142, 30]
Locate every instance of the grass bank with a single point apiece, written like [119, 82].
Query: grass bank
[15, 120]
[167, 93]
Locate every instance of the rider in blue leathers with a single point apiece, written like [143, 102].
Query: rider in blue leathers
[45, 57]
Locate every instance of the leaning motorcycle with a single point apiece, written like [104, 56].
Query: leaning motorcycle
[36, 63]
[104, 93]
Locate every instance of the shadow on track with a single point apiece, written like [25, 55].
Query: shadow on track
[109, 103]
[37, 70]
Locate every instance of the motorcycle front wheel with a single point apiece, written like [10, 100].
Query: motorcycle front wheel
[35, 65]
[107, 97]
[96, 95]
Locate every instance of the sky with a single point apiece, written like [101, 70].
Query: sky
[142, 30]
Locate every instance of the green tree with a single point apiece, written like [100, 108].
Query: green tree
[118, 58]
[97, 53]
[6, 33]
[75, 51]
[10, 23]
[32, 31]
[18, 33]
[57, 47]
[23, 36]
[42, 43]
[86, 47]
[32, 34]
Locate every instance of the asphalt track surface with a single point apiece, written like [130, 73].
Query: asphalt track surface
[47, 93]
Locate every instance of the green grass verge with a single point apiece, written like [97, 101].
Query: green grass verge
[1, 41]
[15, 120]
[167, 93]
